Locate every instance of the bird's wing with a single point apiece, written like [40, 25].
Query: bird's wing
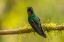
[35, 27]
[40, 26]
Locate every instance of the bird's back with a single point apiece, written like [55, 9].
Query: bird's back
[33, 17]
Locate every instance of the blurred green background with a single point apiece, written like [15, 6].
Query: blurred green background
[13, 15]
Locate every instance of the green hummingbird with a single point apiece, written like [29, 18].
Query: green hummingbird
[34, 21]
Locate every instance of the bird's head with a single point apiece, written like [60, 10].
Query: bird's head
[30, 10]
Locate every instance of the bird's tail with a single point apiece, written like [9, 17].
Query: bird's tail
[42, 32]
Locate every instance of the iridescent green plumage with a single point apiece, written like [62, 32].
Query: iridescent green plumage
[35, 22]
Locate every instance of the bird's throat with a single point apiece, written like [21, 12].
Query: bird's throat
[28, 12]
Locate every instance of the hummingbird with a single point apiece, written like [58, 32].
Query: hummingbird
[35, 23]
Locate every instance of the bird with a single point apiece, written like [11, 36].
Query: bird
[34, 21]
